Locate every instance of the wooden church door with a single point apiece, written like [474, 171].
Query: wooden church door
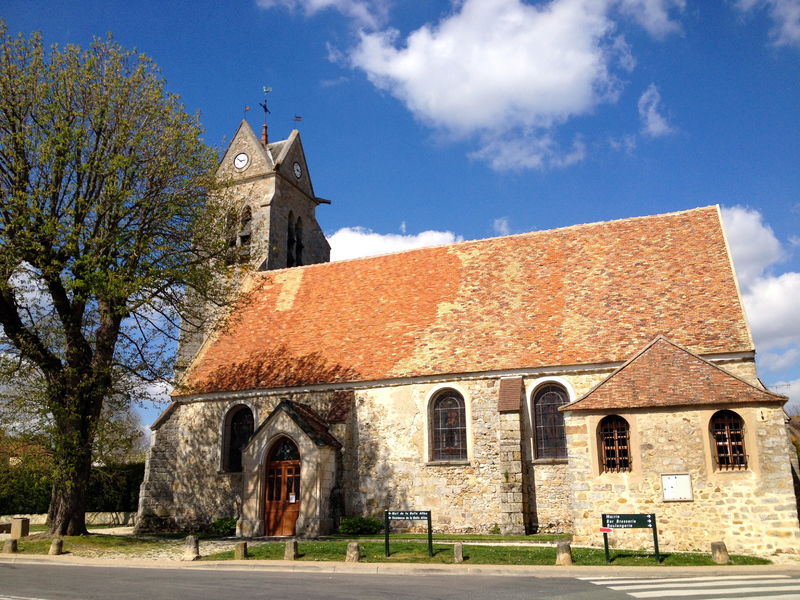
[282, 505]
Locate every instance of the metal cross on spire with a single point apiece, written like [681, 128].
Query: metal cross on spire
[263, 105]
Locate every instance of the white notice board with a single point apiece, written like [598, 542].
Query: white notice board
[677, 487]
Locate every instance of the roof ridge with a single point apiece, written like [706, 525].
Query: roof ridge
[505, 237]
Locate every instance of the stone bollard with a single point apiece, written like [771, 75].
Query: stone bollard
[191, 550]
[9, 546]
[563, 553]
[719, 553]
[56, 547]
[353, 552]
[240, 551]
[20, 527]
[458, 552]
[291, 550]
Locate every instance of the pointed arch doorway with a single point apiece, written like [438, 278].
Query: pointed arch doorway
[282, 502]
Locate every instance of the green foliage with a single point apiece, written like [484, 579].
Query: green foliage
[358, 525]
[224, 527]
[110, 215]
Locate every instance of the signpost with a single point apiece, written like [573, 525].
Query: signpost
[629, 521]
[406, 515]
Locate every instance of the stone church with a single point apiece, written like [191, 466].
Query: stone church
[526, 383]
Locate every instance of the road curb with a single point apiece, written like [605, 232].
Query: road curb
[331, 567]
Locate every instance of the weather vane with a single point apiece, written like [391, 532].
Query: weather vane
[263, 104]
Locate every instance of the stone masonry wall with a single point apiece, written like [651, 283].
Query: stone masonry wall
[752, 511]
[184, 486]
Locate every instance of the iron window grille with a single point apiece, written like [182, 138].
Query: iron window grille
[551, 440]
[614, 435]
[727, 431]
[449, 428]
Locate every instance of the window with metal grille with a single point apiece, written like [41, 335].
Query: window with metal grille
[551, 441]
[727, 433]
[614, 433]
[449, 427]
[238, 430]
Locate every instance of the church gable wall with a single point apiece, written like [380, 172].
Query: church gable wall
[752, 510]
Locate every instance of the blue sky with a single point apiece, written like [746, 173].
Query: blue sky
[430, 121]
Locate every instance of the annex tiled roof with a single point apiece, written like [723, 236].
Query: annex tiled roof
[666, 375]
[578, 295]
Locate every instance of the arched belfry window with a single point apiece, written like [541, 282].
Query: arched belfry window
[614, 440]
[245, 233]
[298, 242]
[230, 237]
[291, 242]
[727, 435]
[449, 427]
[239, 425]
[551, 441]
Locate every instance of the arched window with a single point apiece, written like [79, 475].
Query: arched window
[238, 431]
[551, 441]
[230, 237]
[614, 434]
[449, 427]
[245, 233]
[727, 433]
[290, 242]
[298, 242]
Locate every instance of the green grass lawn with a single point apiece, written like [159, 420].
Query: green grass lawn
[539, 537]
[91, 545]
[413, 552]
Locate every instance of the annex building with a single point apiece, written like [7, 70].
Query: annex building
[515, 384]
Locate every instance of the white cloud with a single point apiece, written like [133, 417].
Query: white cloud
[497, 64]
[779, 361]
[355, 242]
[753, 244]
[772, 309]
[366, 13]
[769, 300]
[501, 226]
[654, 124]
[653, 15]
[785, 15]
[528, 150]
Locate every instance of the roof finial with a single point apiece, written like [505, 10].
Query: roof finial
[264, 142]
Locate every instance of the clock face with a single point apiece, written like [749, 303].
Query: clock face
[241, 160]
[298, 171]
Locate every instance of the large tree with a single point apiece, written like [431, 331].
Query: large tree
[105, 223]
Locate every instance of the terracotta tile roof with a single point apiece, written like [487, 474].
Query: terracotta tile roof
[578, 295]
[666, 375]
[306, 419]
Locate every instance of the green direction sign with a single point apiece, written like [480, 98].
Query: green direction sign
[630, 521]
[406, 515]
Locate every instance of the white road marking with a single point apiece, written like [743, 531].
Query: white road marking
[675, 593]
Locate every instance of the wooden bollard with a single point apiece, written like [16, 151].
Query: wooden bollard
[290, 553]
[719, 553]
[240, 551]
[458, 552]
[10, 546]
[563, 553]
[56, 547]
[191, 549]
[353, 552]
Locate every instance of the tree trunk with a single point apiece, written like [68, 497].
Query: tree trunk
[72, 466]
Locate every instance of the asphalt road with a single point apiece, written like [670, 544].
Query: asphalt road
[44, 581]
[53, 582]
